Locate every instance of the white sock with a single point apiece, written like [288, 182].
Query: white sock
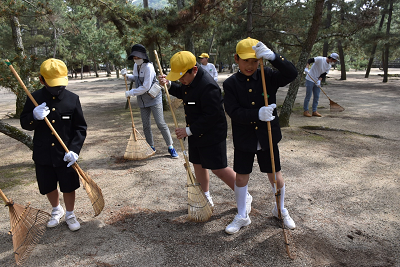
[240, 195]
[67, 213]
[207, 194]
[281, 198]
[170, 147]
[57, 208]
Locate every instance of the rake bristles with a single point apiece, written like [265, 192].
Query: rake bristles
[27, 231]
[92, 190]
[138, 148]
[27, 227]
[199, 208]
[335, 107]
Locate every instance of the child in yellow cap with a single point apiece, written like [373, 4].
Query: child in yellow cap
[206, 125]
[53, 165]
[244, 103]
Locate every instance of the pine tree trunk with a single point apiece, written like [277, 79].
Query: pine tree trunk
[387, 45]
[287, 106]
[17, 134]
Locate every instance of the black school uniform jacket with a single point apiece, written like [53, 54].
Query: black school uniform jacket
[244, 97]
[67, 119]
[204, 111]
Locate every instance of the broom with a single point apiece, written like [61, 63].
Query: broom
[137, 147]
[334, 107]
[199, 208]
[27, 227]
[92, 189]
[271, 151]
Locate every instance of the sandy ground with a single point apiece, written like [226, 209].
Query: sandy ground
[341, 172]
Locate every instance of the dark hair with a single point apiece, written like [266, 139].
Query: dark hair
[190, 70]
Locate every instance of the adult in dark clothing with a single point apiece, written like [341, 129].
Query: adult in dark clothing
[206, 126]
[53, 165]
[244, 103]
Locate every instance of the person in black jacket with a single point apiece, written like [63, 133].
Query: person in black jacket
[206, 125]
[53, 165]
[245, 105]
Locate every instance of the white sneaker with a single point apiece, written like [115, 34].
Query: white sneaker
[237, 223]
[56, 215]
[72, 222]
[249, 199]
[287, 220]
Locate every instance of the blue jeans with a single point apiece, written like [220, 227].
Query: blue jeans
[311, 89]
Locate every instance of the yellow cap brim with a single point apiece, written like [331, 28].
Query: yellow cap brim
[57, 82]
[247, 55]
[174, 76]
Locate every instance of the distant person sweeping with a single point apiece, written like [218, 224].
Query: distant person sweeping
[144, 77]
[318, 71]
[53, 165]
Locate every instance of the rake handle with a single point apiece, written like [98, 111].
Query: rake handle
[318, 86]
[75, 165]
[175, 121]
[4, 197]
[271, 151]
[130, 109]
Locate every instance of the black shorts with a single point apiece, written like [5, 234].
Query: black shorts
[209, 157]
[48, 176]
[243, 161]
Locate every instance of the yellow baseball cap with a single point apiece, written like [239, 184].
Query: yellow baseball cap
[245, 48]
[180, 63]
[203, 55]
[55, 72]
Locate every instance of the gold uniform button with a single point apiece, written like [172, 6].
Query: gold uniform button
[185, 93]
[53, 109]
[52, 144]
[54, 97]
[248, 80]
[253, 103]
[31, 122]
[256, 128]
[283, 59]
[250, 90]
[53, 121]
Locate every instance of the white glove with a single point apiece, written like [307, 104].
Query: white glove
[71, 157]
[41, 111]
[306, 70]
[129, 93]
[262, 51]
[319, 82]
[265, 113]
[123, 72]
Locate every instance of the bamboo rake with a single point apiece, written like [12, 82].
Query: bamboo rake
[271, 150]
[137, 147]
[27, 227]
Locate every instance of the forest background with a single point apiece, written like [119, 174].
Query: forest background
[90, 35]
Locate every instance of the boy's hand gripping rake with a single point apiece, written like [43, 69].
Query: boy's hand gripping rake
[137, 147]
[27, 227]
[271, 151]
[199, 209]
[92, 189]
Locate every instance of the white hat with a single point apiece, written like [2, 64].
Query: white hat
[335, 56]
